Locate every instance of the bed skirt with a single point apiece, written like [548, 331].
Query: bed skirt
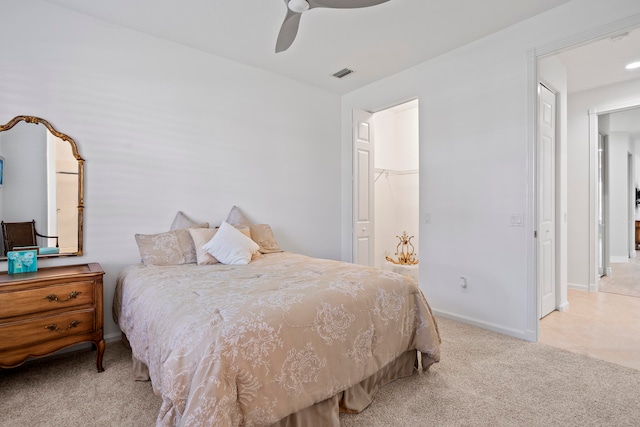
[353, 400]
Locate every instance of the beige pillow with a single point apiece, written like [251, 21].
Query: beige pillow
[171, 248]
[237, 218]
[263, 236]
[200, 237]
[245, 230]
[183, 221]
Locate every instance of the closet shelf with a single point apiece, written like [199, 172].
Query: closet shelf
[387, 172]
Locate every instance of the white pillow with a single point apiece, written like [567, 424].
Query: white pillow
[231, 246]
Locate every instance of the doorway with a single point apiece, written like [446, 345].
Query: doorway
[621, 272]
[389, 162]
[585, 70]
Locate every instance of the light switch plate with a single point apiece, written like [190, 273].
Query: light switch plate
[516, 220]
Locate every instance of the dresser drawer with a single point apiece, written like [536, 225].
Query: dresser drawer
[47, 328]
[46, 298]
[44, 311]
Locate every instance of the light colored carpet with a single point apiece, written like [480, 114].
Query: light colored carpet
[484, 379]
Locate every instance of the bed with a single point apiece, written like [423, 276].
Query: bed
[286, 340]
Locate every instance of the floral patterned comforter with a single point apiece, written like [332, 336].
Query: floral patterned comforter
[249, 345]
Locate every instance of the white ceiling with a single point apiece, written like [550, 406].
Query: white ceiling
[375, 42]
[602, 63]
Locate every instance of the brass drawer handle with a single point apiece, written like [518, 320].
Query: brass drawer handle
[54, 297]
[54, 327]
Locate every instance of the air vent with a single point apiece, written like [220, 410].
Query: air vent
[342, 73]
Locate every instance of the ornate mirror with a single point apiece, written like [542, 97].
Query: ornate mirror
[41, 180]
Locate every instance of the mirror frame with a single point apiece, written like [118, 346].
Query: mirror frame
[76, 154]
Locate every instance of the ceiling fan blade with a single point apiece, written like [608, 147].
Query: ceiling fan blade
[288, 31]
[344, 4]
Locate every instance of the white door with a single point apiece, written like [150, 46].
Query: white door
[363, 226]
[546, 200]
[67, 206]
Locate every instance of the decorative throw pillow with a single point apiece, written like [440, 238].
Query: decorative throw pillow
[237, 218]
[200, 237]
[170, 248]
[263, 236]
[183, 221]
[244, 230]
[247, 232]
[231, 246]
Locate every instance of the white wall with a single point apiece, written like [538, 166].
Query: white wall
[474, 164]
[600, 100]
[166, 128]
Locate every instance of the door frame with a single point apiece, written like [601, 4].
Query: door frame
[594, 134]
[603, 205]
[631, 204]
[533, 55]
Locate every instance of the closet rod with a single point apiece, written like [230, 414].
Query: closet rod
[388, 172]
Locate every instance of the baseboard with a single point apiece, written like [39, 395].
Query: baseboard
[116, 336]
[523, 335]
[564, 306]
[618, 259]
[578, 287]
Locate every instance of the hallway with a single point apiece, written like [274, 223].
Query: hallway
[598, 324]
[625, 278]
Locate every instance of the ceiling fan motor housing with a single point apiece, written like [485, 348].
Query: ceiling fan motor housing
[298, 6]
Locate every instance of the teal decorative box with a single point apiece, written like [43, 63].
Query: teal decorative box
[22, 261]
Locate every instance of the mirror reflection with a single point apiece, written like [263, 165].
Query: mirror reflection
[41, 180]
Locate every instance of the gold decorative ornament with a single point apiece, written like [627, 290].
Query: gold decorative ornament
[404, 250]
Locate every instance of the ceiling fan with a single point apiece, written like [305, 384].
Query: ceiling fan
[295, 8]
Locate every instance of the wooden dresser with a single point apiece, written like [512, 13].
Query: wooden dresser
[48, 310]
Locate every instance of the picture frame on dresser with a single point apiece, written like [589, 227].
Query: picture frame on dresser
[48, 310]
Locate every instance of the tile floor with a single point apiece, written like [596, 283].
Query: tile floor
[601, 325]
[625, 278]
